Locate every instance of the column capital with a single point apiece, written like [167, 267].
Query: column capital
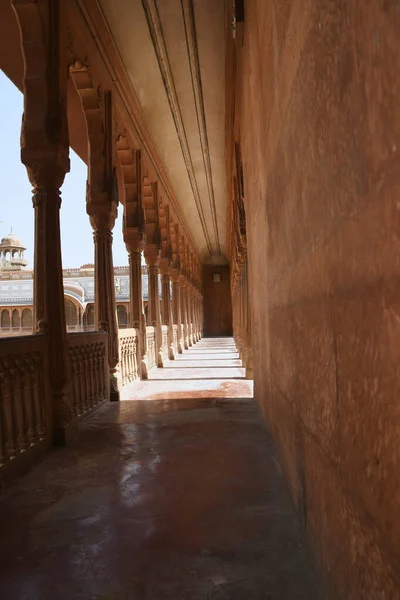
[135, 239]
[164, 266]
[174, 274]
[46, 166]
[102, 215]
[152, 256]
[182, 280]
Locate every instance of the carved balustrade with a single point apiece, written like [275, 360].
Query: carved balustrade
[151, 346]
[25, 405]
[128, 355]
[165, 344]
[176, 338]
[90, 386]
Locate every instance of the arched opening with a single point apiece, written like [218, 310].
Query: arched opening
[15, 319]
[90, 316]
[122, 316]
[5, 319]
[71, 314]
[26, 318]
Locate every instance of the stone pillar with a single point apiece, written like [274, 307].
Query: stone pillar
[137, 321]
[48, 290]
[176, 308]
[193, 294]
[197, 314]
[152, 260]
[189, 313]
[102, 218]
[44, 152]
[167, 305]
[182, 290]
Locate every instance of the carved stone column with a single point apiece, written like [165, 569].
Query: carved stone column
[176, 308]
[136, 309]
[188, 313]
[135, 246]
[152, 257]
[167, 305]
[44, 152]
[196, 300]
[102, 218]
[193, 303]
[48, 291]
[182, 291]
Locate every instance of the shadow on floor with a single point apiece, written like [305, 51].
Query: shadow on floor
[159, 500]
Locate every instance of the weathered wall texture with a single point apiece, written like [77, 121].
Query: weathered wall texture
[320, 135]
[217, 302]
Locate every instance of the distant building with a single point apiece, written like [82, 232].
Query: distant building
[16, 292]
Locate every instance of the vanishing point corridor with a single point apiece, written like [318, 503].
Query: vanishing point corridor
[173, 493]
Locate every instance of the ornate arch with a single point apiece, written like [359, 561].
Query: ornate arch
[26, 318]
[5, 318]
[182, 254]
[165, 233]
[174, 237]
[15, 319]
[151, 211]
[122, 315]
[44, 122]
[96, 107]
[131, 192]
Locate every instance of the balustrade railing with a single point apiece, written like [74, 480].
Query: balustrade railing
[128, 355]
[151, 346]
[90, 371]
[25, 407]
[164, 333]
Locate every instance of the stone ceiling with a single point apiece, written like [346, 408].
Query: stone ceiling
[174, 54]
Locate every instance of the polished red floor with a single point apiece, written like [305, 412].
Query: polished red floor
[175, 499]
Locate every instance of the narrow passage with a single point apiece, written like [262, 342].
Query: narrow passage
[178, 498]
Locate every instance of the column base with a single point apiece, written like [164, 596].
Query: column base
[114, 391]
[114, 395]
[171, 354]
[160, 360]
[62, 436]
[144, 370]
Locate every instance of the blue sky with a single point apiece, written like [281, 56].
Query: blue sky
[16, 203]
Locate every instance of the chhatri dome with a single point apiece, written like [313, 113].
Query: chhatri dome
[12, 253]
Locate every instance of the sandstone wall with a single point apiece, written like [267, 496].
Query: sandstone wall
[320, 136]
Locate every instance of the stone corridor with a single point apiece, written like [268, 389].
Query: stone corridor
[173, 493]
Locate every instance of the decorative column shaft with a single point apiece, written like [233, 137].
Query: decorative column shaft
[136, 307]
[182, 290]
[176, 308]
[152, 260]
[102, 218]
[44, 152]
[167, 306]
[48, 291]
